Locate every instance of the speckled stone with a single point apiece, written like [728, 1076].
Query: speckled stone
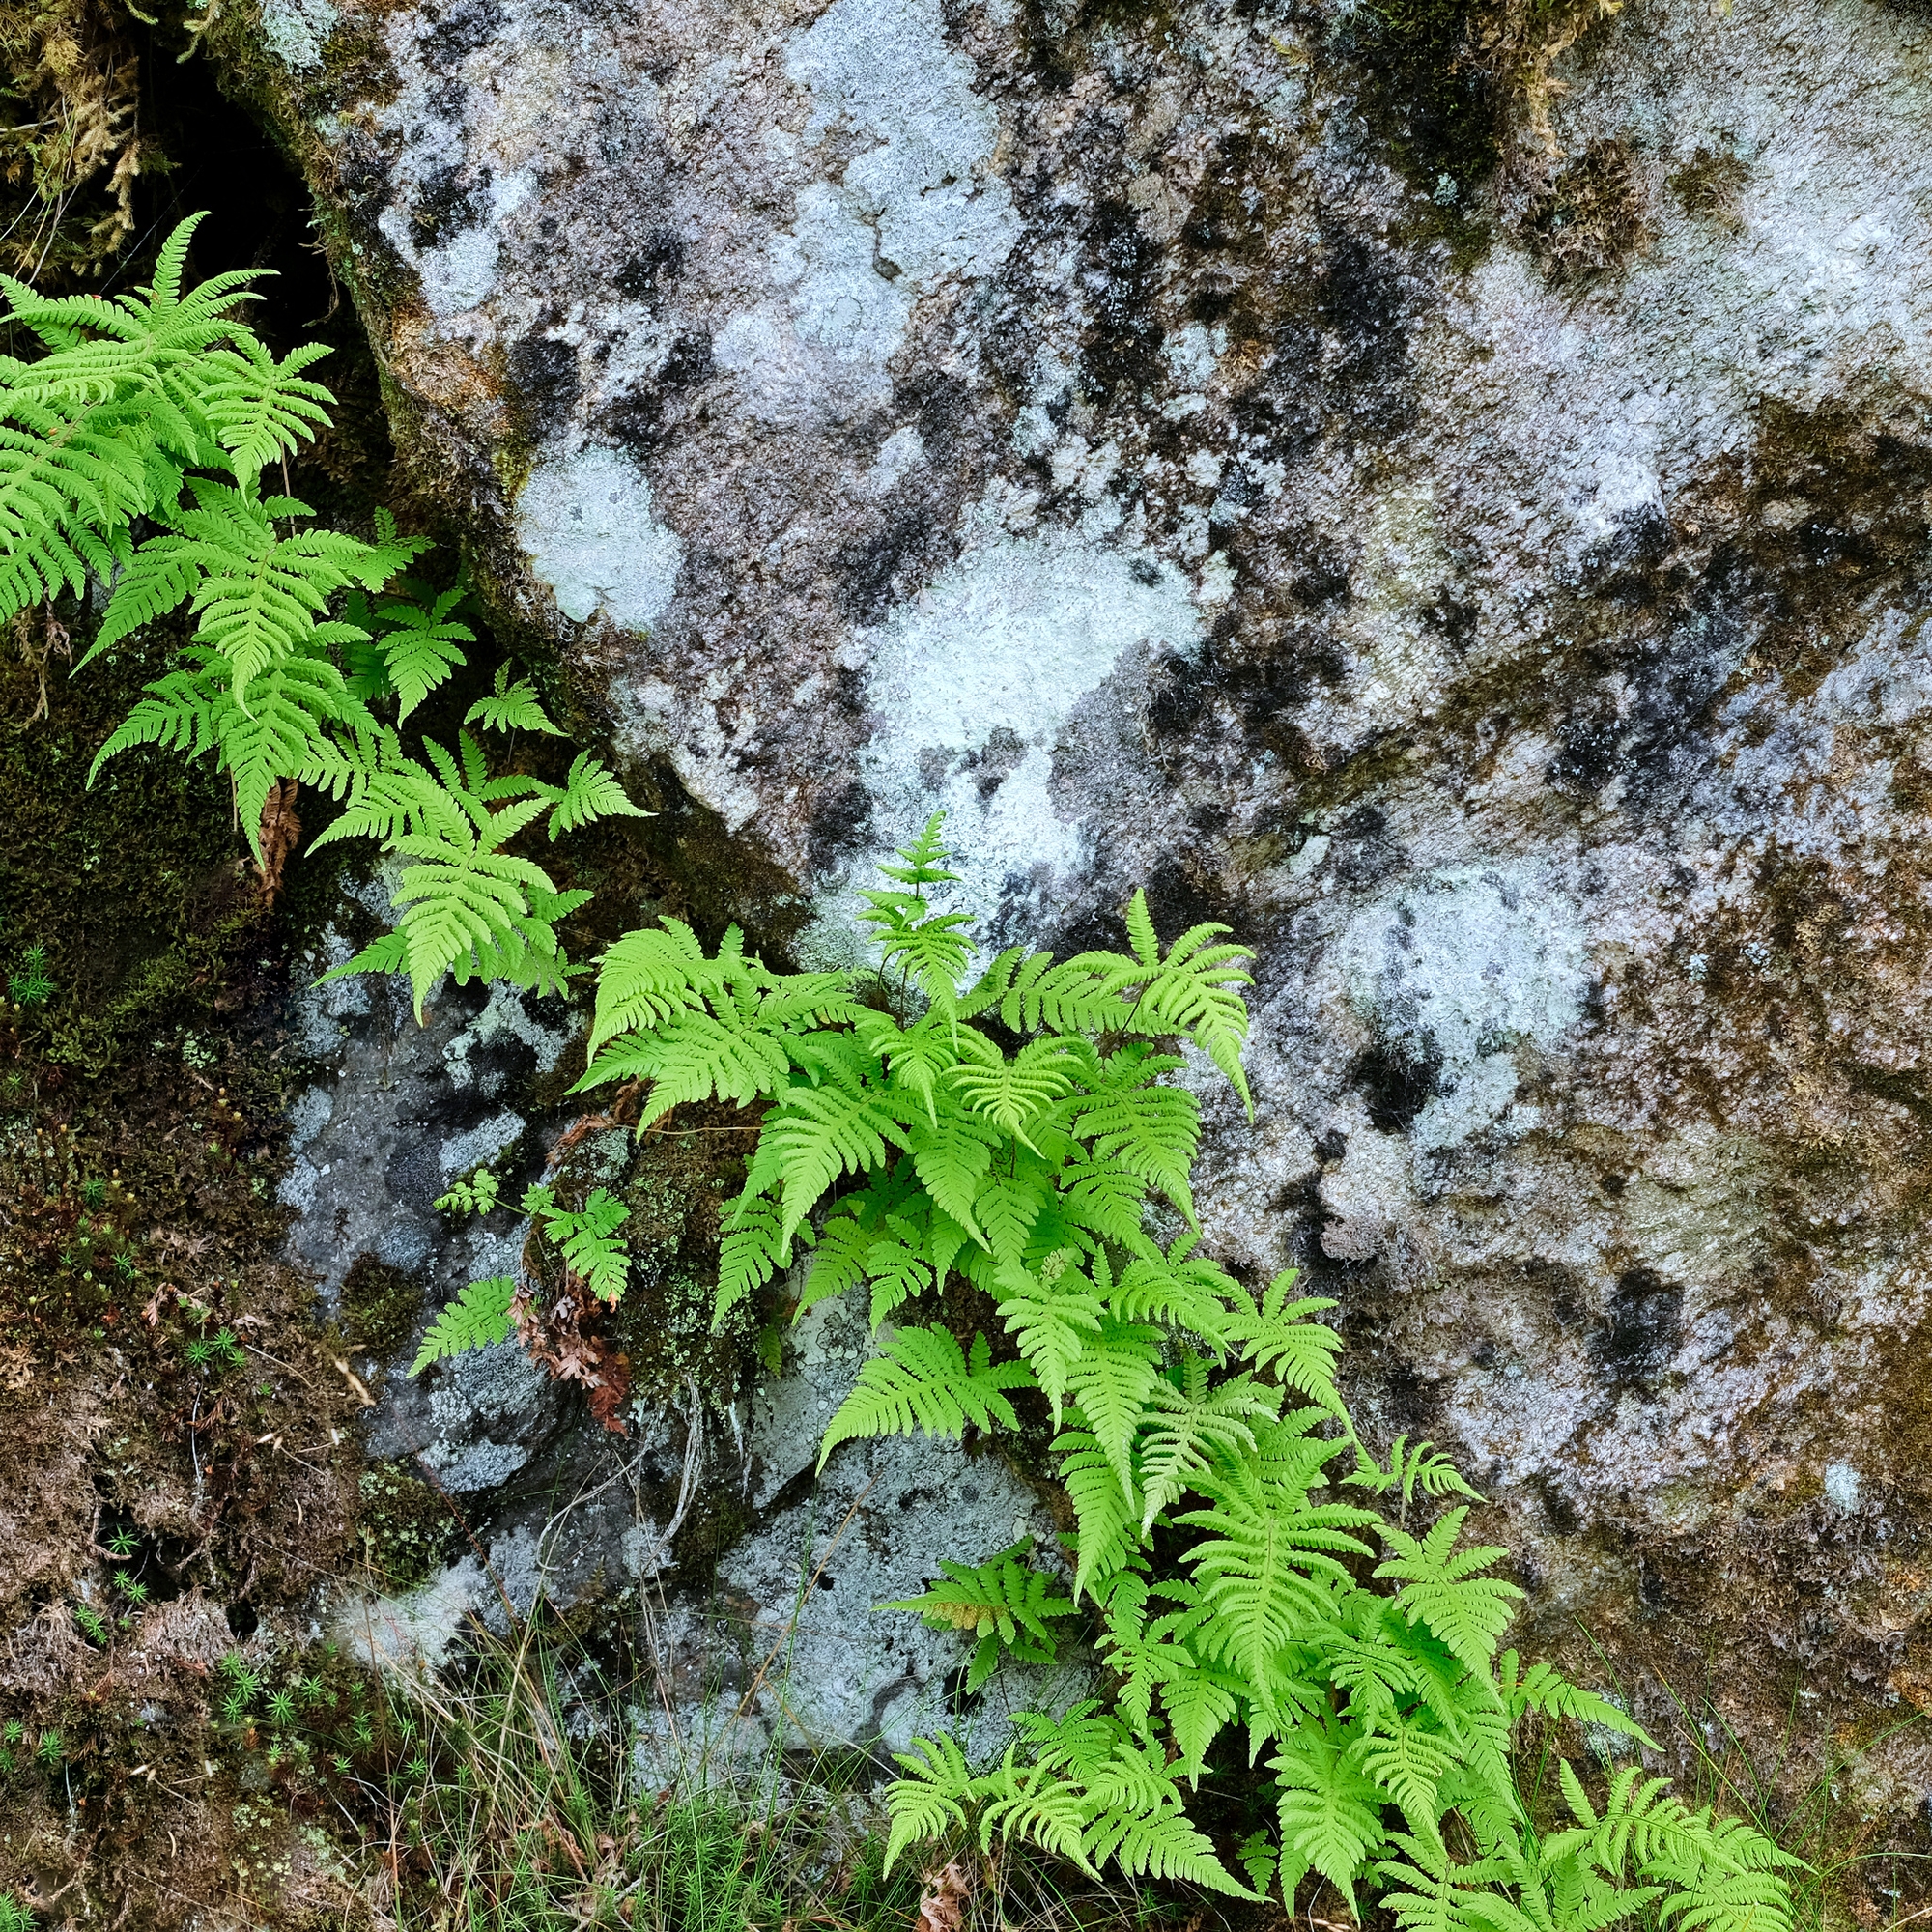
[1136, 436]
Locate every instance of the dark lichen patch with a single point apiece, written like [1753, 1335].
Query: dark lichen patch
[1433, 93]
[1587, 218]
[1641, 1332]
[1709, 185]
[1830, 511]
[650, 274]
[1121, 347]
[1398, 1078]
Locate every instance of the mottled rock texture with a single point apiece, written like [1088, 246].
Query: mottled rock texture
[1217, 446]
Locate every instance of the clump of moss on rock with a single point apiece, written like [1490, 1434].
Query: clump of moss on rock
[1707, 187]
[407, 1526]
[1588, 218]
[381, 1306]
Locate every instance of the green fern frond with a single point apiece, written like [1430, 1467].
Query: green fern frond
[274, 732]
[1181, 1288]
[648, 976]
[1112, 1379]
[952, 1155]
[1409, 1761]
[1032, 995]
[1279, 1338]
[262, 410]
[1032, 1803]
[816, 1134]
[926, 946]
[1267, 1562]
[1108, 1516]
[259, 595]
[589, 1241]
[458, 897]
[698, 1056]
[1002, 1601]
[510, 707]
[1444, 1589]
[1189, 1428]
[67, 496]
[478, 1317]
[924, 1381]
[1194, 990]
[1543, 1688]
[1411, 1467]
[928, 1804]
[417, 646]
[1152, 1132]
[752, 1250]
[1330, 1811]
[590, 793]
[1011, 1094]
[1052, 1321]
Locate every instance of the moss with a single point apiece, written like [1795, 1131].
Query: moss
[1707, 186]
[1435, 99]
[406, 1527]
[76, 143]
[678, 1178]
[381, 1306]
[1588, 218]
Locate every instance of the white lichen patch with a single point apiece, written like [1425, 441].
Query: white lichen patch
[973, 682]
[296, 31]
[918, 204]
[586, 521]
[503, 1017]
[411, 1632]
[463, 1154]
[1457, 971]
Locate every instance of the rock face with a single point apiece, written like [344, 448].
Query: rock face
[1214, 447]
[752, 1582]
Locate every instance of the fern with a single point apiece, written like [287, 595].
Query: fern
[165, 405]
[274, 730]
[478, 1317]
[465, 905]
[511, 706]
[1446, 1591]
[1412, 1468]
[1193, 990]
[924, 1382]
[1007, 1605]
[411, 642]
[475, 1196]
[589, 793]
[1015, 1133]
[587, 1237]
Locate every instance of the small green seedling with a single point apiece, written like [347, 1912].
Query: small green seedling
[475, 1196]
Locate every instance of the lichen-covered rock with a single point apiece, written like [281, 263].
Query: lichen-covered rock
[491, 1485]
[1209, 446]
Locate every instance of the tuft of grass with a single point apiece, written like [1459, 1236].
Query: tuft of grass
[517, 1802]
[515, 1810]
[1827, 1823]
[1817, 1811]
